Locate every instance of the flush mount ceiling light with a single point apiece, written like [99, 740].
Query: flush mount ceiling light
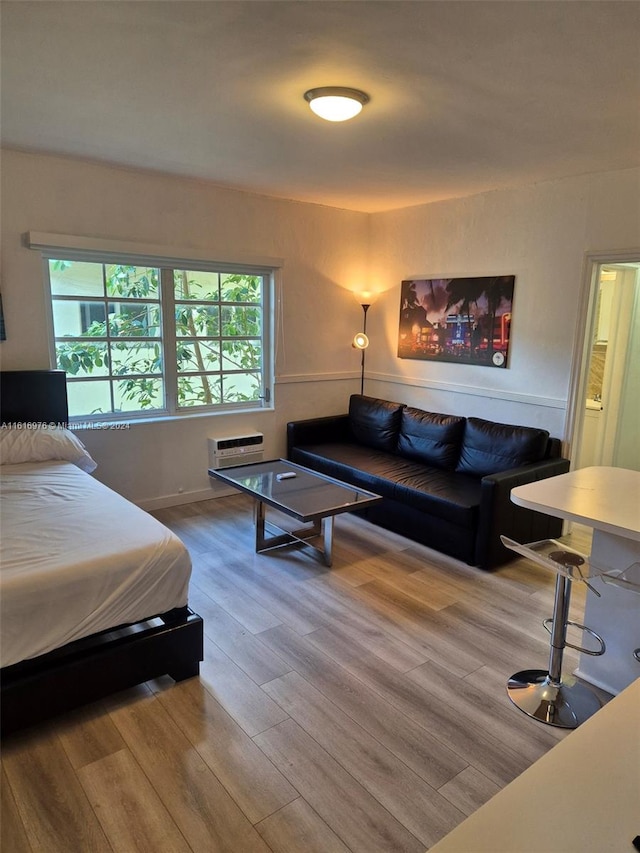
[336, 103]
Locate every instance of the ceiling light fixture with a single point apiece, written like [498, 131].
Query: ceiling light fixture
[336, 103]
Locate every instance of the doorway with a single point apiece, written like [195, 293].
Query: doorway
[604, 411]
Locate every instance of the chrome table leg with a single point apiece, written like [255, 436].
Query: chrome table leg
[319, 529]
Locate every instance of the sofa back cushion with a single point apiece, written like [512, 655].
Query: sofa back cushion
[430, 438]
[488, 447]
[375, 423]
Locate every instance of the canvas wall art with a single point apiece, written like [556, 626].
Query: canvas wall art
[461, 320]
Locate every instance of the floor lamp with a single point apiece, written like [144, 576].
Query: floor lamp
[361, 342]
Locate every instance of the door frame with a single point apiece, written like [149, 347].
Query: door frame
[574, 417]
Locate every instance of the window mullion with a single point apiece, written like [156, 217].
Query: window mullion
[108, 339]
[169, 357]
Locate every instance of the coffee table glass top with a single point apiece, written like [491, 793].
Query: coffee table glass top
[307, 496]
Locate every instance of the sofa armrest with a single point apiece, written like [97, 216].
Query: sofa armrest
[317, 431]
[499, 515]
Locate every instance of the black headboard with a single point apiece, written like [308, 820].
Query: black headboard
[33, 396]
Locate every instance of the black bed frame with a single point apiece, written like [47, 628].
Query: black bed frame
[94, 667]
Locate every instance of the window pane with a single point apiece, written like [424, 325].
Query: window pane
[75, 318]
[240, 321]
[124, 280]
[138, 395]
[144, 357]
[194, 321]
[197, 356]
[92, 319]
[239, 387]
[198, 391]
[89, 398]
[82, 359]
[241, 355]
[240, 288]
[132, 319]
[195, 285]
[75, 278]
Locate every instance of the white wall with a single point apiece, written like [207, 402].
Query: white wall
[325, 253]
[540, 234]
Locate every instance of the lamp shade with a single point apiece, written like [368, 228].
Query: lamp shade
[361, 341]
[336, 103]
[365, 297]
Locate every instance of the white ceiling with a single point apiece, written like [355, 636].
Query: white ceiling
[465, 96]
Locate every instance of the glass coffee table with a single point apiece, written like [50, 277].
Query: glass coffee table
[308, 497]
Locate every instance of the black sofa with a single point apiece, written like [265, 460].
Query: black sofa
[445, 480]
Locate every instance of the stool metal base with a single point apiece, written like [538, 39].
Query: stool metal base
[565, 704]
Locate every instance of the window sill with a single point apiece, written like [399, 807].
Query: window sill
[78, 424]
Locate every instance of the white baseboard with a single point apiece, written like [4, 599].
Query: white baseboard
[185, 498]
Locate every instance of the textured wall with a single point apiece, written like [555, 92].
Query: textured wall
[325, 254]
[539, 233]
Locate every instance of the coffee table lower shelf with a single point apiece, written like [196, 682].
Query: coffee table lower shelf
[300, 493]
[320, 528]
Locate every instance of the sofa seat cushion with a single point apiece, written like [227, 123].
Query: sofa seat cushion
[361, 466]
[488, 447]
[443, 494]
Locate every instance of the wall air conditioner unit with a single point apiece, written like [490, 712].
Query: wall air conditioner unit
[235, 450]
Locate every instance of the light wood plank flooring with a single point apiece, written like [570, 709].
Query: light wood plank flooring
[360, 708]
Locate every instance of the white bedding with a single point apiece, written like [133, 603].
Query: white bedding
[77, 558]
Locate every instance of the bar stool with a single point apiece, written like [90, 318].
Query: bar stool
[544, 694]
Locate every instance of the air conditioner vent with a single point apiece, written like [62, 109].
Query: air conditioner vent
[235, 450]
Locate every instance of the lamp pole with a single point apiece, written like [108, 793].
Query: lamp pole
[365, 308]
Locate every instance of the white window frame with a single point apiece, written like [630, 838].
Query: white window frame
[66, 247]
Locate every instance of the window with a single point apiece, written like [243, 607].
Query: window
[90, 312]
[137, 339]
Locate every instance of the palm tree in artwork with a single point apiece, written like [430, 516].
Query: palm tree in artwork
[412, 311]
[464, 291]
[500, 288]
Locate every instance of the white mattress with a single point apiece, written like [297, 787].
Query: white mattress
[77, 558]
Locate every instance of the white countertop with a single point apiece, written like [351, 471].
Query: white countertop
[606, 499]
[583, 796]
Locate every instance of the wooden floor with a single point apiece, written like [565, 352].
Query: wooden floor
[360, 708]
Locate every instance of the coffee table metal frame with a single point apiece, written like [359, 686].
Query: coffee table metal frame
[259, 480]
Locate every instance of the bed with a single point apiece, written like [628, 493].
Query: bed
[93, 593]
